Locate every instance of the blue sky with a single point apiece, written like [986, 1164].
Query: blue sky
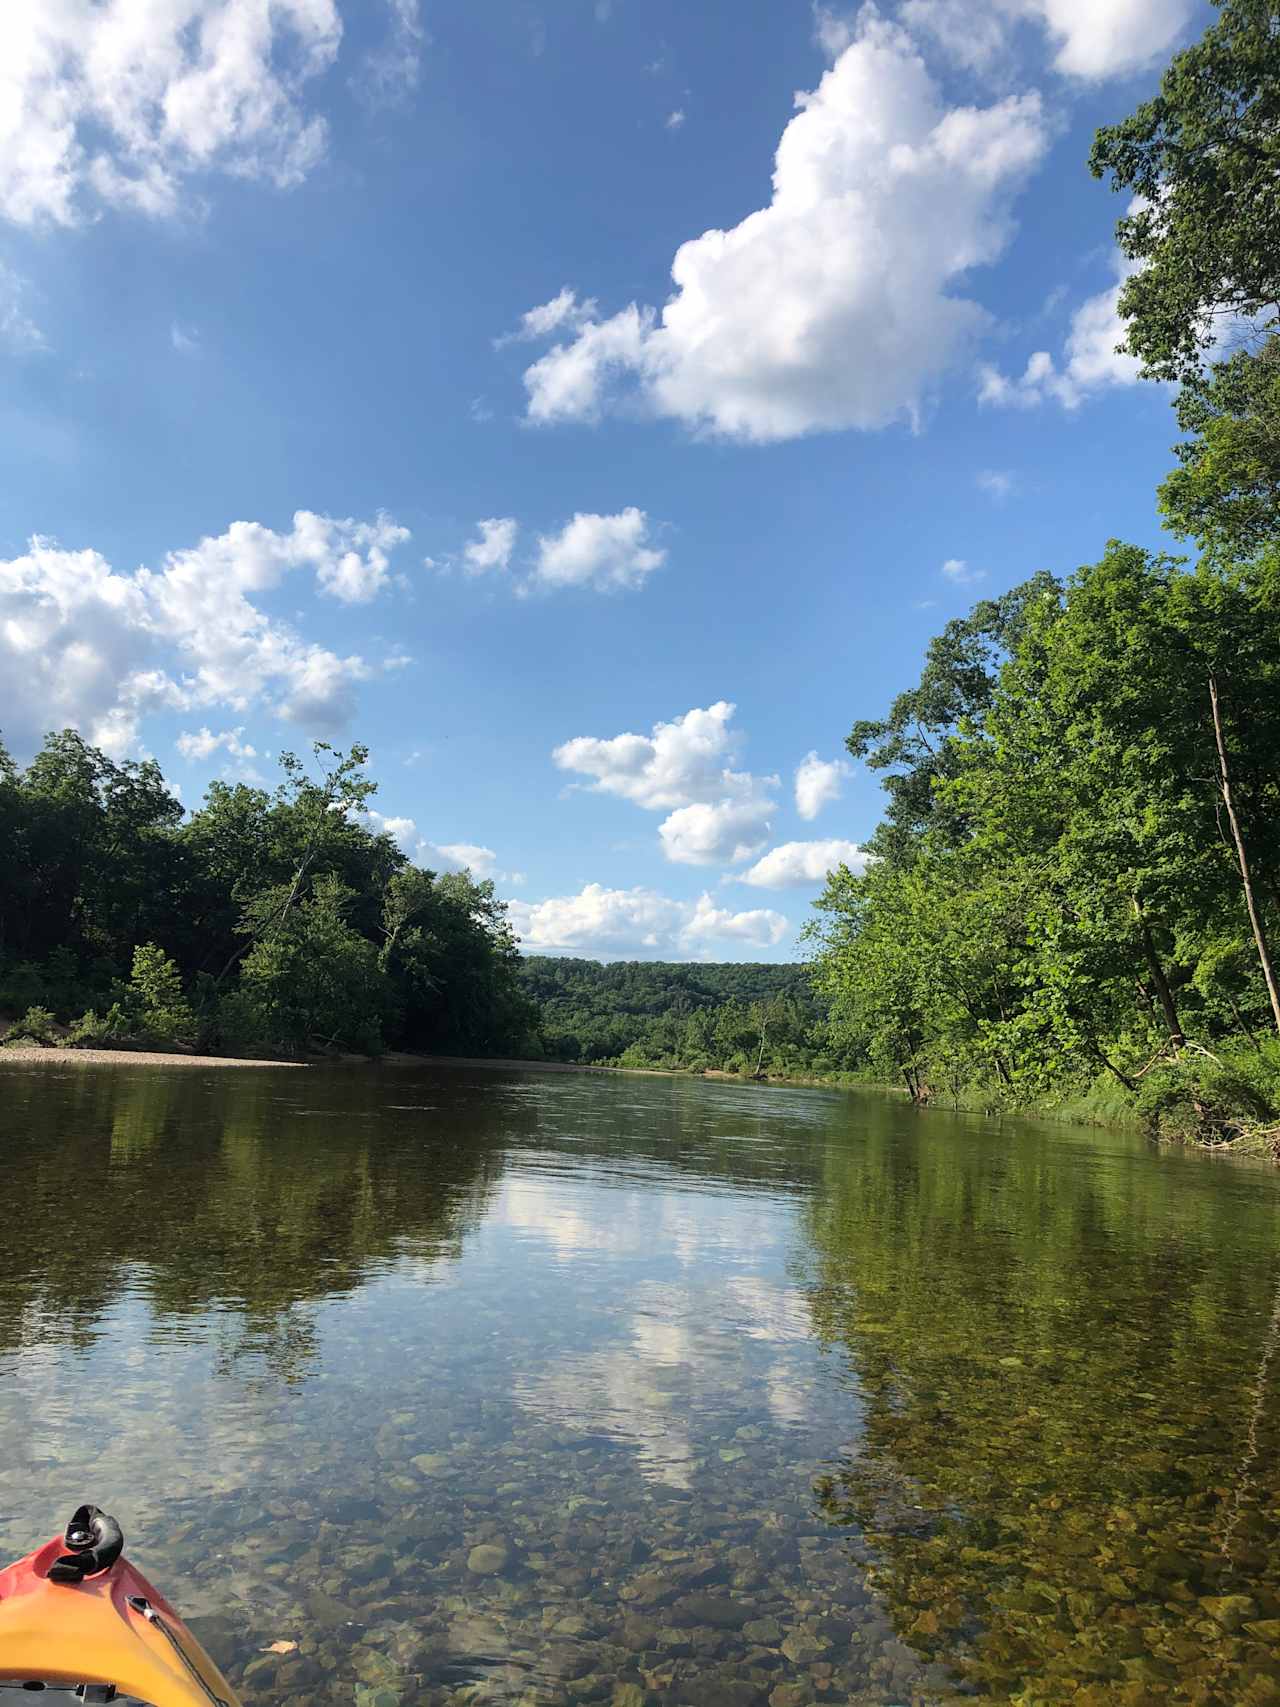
[349, 394]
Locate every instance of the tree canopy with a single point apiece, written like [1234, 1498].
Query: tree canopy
[274, 919]
[1202, 162]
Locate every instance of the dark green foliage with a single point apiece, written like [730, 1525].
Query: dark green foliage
[37, 1025]
[1202, 1100]
[740, 1017]
[265, 920]
[1226, 493]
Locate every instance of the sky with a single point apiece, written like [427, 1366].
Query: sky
[593, 407]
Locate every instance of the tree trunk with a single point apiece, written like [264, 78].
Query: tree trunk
[1128, 1083]
[1176, 1034]
[1246, 878]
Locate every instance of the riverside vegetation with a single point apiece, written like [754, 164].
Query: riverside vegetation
[1076, 888]
[264, 921]
[1073, 896]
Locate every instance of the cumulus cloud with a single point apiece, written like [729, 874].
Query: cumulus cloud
[82, 644]
[203, 743]
[818, 783]
[793, 865]
[833, 30]
[614, 923]
[492, 550]
[1091, 361]
[122, 103]
[1090, 39]
[609, 553]
[480, 861]
[971, 34]
[564, 313]
[837, 304]
[676, 764]
[719, 813]
[712, 833]
[675, 120]
[1109, 38]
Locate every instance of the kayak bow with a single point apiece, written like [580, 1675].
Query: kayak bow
[75, 1615]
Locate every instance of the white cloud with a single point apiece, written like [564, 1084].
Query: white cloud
[461, 856]
[957, 571]
[564, 313]
[760, 926]
[998, 482]
[185, 339]
[833, 31]
[719, 813]
[1091, 363]
[675, 120]
[84, 645]
[609, 553]
[1110, 38]
[390, 72]
[492, 550]
[204, 743]
[969, 33]
[711, 833]
[123, 101]
[818, 782]
[613, 923]
[678, 763]
[1091, 39]
[480, 861]
[835, 306]
[1091, 360]
[570, 381]
[795, 864]
[17, 329]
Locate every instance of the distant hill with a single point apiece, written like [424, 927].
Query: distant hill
[593, 1012]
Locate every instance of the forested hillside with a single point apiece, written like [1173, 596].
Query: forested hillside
[263, 920]
[749, 1017]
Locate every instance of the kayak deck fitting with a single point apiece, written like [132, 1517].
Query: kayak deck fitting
[76, 1615]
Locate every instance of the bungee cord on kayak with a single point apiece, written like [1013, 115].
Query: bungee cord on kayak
[76, 1615]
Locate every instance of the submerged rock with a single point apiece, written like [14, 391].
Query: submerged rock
[489, 1558]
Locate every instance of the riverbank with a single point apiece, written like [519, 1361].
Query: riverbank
[27, 1055]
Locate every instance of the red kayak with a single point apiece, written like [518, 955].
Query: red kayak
[76, 1615]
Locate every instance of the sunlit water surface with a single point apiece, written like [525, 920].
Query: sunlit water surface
[555, 1388]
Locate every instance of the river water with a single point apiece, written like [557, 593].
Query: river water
[544, 1389]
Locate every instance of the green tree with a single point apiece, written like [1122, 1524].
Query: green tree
[309, 979]
[1226, 491]
[1202, 159]
[156, 997]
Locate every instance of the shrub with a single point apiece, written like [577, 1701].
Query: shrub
[155, 996]
[100, 1031]
[37, 1025]
[1202, 1101]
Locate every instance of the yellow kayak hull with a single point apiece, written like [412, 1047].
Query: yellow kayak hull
[110, 1628]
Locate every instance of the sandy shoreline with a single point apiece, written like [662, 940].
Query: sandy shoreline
[26, 1055]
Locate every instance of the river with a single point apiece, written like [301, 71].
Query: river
[489, 1386]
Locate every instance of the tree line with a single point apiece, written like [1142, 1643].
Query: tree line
[265, 920]
[753, 1018]
[1077, 879]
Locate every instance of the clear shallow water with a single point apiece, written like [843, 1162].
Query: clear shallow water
[555, 1388]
